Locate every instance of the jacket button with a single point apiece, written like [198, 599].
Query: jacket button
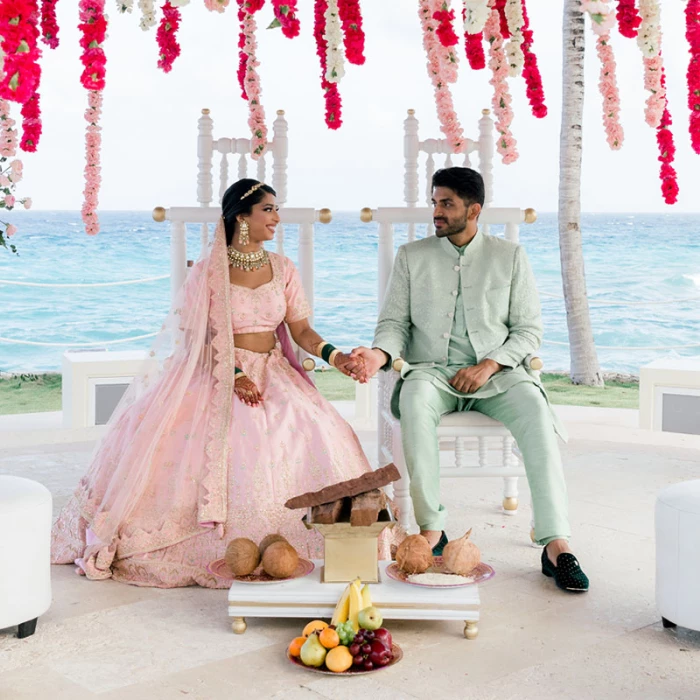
[450, 314]
[445, 335]
[456, 268]
[454, 293]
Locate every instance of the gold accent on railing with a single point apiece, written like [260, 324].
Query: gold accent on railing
[530, 215]
[325, 216]
[397, 364]
[411, 112]
[486, 112]
[309, 364]
[366, 214]
[205, 111]
[280, 112]
[159, 214]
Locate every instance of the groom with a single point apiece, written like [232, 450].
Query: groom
[462, 309]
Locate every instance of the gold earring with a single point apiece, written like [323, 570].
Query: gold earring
[243, 236]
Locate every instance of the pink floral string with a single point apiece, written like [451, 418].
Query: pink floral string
[166, 36]
[692, 34]
[93, 179]
[611, 96]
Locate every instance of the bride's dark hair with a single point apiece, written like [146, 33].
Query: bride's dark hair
[232, 204]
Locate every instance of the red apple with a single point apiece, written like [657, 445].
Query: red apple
[383, 635]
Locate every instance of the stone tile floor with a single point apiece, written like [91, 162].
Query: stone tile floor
[113, 641]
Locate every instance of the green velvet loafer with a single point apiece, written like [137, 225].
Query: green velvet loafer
[567, 574]
[437, 549]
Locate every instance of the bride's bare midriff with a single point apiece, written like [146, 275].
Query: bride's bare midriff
[255, 342]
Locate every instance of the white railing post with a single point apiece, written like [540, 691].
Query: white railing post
[411, 149]
[280, 153]
[512, 233]
[306, 263]
[486, 151]
[178, 257]
[205, 126]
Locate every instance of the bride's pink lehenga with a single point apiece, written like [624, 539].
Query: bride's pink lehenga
[185, 466]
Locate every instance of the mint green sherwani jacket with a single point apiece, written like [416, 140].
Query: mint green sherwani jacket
[494, 283]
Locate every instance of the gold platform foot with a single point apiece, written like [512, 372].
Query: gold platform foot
[239, 625]
[471, 629]
[510, 506]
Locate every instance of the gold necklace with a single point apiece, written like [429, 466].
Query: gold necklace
[248, 261]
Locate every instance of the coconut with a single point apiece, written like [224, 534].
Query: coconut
[280, 559]
[414, 555]
[461, 556]
[268, 540]
[242, 556]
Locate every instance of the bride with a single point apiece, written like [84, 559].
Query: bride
[222, 427]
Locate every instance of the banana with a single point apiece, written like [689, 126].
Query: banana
[366, 596]
[355, 604]
[342, 609]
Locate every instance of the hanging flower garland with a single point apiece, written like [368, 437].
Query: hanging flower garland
[166, 36]
[514, 50]
[335, 63]
[124, 6]
[501, 101]
[692, 33]
[216, 5]
[649, 41]
[353, 34]
[531, 71]
[628, 19]
[286, 18]
[442, 68]
[500, 6]
[148, 14]
[251, 79]
[49, 24]
[444, 31]
[31, 124]
[334, 119]
[19, 32]
[602, 21]
[93, 28]
[667, 153]
[474, 15]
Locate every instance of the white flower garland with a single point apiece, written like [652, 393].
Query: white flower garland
[602, 16]
[125, 6]
[148, 14]
[649, 36]
[179, 3]
[335, 60]
[514, 49]
[477, 12]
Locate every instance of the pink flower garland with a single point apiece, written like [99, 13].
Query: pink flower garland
[667, 153]
[444, 32]
[611, 96]
[501, 101]
[442, 69]
[531, 72]
[251, 85]
[334, 118]
[656, 102]
[285, 13]
[692, 33]
[216, 5]
[49, 24]
[93, 28]
[628, 19]
[353, 34]
[166, 36]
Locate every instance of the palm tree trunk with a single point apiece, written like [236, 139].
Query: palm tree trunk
[584, 360]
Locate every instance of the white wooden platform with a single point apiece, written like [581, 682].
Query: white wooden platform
[309, 598]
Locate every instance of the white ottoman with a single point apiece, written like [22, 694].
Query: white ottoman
[678, 555]
[25, 553]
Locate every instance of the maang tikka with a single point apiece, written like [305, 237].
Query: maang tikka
[243, 236]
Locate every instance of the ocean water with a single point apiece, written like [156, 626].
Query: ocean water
[636, 258]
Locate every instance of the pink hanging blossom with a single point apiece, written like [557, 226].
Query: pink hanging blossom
[216, 5]
[692, 33]
[285, 13]
[442, 69]
[353, 34]
[667, 154]
[531, 72]
[611, 96]
[628, 19]
[93, 179]
[656, 102]
[166, 36]
[501, 101]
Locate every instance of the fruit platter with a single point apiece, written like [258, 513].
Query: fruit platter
[354, 642]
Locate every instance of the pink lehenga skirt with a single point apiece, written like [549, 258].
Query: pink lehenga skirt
[293, 442]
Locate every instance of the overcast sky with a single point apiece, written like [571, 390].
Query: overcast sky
[150, 119]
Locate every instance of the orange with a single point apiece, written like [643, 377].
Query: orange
[329, 638]
[314, 626]
[339, 659]
[295, 646]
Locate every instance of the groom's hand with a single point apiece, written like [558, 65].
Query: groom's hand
[471, 379]
[371, 359]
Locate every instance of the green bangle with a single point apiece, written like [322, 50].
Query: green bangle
[326, 352]
[237, 370]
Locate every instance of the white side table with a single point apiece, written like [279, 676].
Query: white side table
[309, 598]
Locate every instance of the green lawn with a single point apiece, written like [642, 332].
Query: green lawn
[32, 393]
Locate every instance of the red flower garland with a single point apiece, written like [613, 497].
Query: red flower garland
[692, 33]
[242, 57]
[628, 18]
[285, 13]
[19, 32]
[500, 5]
[531, 72]
[31, 124]
[166, 36]
[93, 26]
[474, 46]
[49, 24]
[353, 34]
[334, 119]
[667, 153]
[444, 31]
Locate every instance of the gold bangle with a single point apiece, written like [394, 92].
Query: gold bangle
[239, 375]
[320, 347]
[333, 355]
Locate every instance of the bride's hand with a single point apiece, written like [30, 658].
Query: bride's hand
[350, 366]
[247, 392]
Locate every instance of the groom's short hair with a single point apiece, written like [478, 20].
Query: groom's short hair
[467, 183]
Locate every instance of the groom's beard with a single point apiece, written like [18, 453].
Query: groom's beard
[451, 227]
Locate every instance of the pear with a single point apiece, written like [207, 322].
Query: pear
[313, 653]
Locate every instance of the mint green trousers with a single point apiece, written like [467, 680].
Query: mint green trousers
[524, 411]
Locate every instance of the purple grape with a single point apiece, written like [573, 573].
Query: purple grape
[368, 665]
[366, 648]
[354, 649]
[358, 660]
[369, 635]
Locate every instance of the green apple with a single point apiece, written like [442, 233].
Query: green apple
[370, 618]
